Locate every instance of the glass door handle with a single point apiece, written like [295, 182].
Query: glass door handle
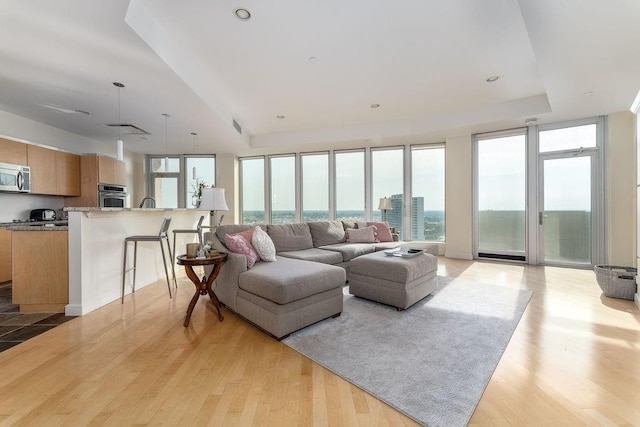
[541, 217]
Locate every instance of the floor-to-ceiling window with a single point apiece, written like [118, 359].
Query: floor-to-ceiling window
[315, 186]
[199, 171]
[172, 180]
[337, 184]
[501, 195]
[349, 184]
[252, 191]
[282, 172]
[427, 193]
[387, 180]
[164, 178]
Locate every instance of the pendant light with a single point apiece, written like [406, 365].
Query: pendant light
[193, 172]
[120, 143]
[166, 133]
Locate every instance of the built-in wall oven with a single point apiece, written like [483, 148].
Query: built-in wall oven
[112, 196]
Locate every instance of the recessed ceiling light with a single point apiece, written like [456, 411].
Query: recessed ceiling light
[589, 92]
[144, 138]
[492, 79]
[193, 133]
[375, 105]
[280, 117]
[313, 59]
[242, 14]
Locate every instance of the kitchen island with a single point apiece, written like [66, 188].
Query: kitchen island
[96, 245]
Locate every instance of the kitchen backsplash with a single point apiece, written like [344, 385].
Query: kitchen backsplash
[18, 206]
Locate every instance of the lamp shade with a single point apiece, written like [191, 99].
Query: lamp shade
[213, 200]
[385, 204]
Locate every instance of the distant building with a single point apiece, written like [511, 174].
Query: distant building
[394, 216]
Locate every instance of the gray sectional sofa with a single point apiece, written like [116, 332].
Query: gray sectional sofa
[303, 286]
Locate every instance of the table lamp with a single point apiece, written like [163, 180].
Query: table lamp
[213, 200]
[384, 206]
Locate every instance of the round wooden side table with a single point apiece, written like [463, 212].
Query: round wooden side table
[203, 286]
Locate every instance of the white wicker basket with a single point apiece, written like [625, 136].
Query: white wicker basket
[616, 281]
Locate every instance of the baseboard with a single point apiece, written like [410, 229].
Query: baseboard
[458, 255]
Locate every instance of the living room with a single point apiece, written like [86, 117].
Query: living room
[444, 101]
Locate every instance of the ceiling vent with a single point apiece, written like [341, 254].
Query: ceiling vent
[127, 129]
[64, 110]
[237, 126]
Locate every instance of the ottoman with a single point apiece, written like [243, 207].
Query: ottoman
[396, 281]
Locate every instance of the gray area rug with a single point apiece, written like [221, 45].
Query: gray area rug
[432, 361]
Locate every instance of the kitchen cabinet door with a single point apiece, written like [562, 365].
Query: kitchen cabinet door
[105, 170]
[68, 174]
[119, 172]
[43, 170]
[13, 152]
[111, 171]
[40, 270]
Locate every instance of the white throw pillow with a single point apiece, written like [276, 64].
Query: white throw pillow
[263, 245]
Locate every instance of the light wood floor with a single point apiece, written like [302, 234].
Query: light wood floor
[573, 360]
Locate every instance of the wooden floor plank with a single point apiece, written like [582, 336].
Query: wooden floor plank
[574, 359]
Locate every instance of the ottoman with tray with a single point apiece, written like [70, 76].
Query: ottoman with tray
[399, 281]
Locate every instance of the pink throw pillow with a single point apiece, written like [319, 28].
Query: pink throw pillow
[248, 234]
[384, 232]
[238, 244]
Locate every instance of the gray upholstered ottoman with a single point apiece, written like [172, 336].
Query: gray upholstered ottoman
[396, 281]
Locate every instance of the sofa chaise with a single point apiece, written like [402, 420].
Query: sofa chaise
[304, 284]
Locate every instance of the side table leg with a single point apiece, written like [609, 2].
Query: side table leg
[216, 303]
[192, 304]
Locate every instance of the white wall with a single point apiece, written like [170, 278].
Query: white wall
[620, 189]
[459, 197]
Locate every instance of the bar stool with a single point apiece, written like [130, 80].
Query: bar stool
[198, 231]
[162, 235]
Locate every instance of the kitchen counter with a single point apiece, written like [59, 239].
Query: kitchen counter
[36, 226]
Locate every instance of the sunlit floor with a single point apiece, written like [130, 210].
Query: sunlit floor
[574, 359]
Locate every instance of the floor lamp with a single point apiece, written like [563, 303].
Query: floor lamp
[213, 200]
[384, 206]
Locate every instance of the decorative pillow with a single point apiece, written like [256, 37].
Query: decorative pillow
[263, 245]
[362, 235]
[248, 234]
[360, 224]
[238, 244]
[384, 233]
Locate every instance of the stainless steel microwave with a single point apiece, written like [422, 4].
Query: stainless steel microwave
[15, 178]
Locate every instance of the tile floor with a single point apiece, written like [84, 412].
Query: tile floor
[16, 327]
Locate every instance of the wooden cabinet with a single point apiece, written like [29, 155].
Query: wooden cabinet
[96, 170]
[13, 152]
[5, 255]
[68, 174]
[53, 172]
[111, 171]
[40, 270]
[43, 169]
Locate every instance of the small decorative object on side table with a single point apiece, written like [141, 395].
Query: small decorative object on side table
[203, 286]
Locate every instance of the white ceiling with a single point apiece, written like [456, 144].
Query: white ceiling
[424, 62]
